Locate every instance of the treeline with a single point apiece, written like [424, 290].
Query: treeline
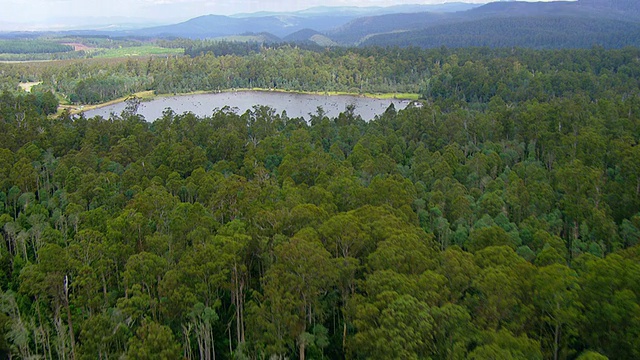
[32, 47]
[29, 105]
[463, 228]
[523, 75]
[288, 68]
[221, 48]
[473, 75]
[43, 56]
[106, 41]
[97, 89]
[281, 67]
[196, 48]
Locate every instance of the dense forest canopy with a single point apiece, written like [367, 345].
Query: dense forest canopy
[500, 218]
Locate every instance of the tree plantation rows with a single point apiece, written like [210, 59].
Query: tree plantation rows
[497, 219]
[32, 47]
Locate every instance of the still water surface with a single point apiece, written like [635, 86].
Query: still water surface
[296, 105]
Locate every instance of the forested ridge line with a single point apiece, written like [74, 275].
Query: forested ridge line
[497, 220]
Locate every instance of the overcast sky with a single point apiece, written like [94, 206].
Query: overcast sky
[52, 13]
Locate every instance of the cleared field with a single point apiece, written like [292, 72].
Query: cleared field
[26, 86]
[79, 46]
[400, 96]
[135, 51]
[76, 109]
[405, 96]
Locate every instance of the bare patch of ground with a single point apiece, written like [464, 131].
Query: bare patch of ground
[28, 85]
[79, 46]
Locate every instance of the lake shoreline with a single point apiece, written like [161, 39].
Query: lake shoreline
[149, 95]
[295, 104]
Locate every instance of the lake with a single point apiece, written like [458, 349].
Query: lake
[296, 105]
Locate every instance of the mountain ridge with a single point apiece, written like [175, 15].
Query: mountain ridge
[532, 32]
[611, 23]
[321, 19]
[604, 20]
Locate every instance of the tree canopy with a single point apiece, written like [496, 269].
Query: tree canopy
[500, 218]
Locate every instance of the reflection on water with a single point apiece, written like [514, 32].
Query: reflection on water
[296, 105]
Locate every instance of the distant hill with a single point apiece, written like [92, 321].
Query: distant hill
[211, 26]
[533, 32]
[320, 19]
[626, 6]
[554, 24]
[310, 36]
[610, 23]
[360, 29]
[358, 11]
[522, 8]
[263, 37]
[302, 35]
[598, 9]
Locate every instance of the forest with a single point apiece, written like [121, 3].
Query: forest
[32, 46]
[497, 218]
[35, 49]
[480, 73]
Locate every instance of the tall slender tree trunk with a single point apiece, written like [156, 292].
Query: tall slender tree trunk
[200, 344]
[344, 334]
[230, 347]
[70, 324]
[238, 300]
[104, 289]
[241, 306]
[213, 342]
[556, 342]
[186, 331]
[302, 346]
[61, 336]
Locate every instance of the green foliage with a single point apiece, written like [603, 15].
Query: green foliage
[479, 225]
[503, 345]
[488, 236]
[591, 355]
[135, 51]
[153, 341]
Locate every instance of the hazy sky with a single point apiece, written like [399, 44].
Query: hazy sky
[37, 13]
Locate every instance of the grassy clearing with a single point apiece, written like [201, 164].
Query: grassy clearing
[76, 109]
[26, 86]
[400, 96]
[134, 51]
